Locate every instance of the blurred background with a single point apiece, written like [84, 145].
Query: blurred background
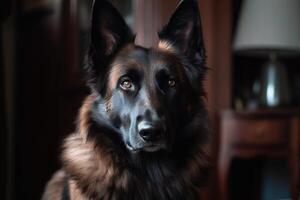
[253, 89]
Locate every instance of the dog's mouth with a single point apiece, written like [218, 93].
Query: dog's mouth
[146, 148]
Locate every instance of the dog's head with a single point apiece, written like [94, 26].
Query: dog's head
[149, 97]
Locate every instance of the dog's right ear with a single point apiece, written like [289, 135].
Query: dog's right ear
[109, 32]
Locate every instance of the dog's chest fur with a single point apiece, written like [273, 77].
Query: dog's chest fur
[111, 177]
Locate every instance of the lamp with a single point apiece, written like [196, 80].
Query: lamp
[270, 28]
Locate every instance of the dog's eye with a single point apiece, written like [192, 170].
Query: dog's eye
[126, 84]
[171, 82]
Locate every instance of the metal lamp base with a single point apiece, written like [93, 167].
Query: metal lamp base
[275, 91]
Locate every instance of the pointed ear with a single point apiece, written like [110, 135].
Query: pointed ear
[109, 33]
[184, 31]
[109, 30]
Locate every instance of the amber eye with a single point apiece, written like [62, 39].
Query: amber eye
[171, 82]
[126, 84]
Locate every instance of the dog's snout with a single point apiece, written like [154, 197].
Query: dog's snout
[150, 132]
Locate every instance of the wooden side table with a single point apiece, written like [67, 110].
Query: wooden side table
[269, 133]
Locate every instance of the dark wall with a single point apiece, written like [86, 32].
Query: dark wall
[3, 137]
[46, 106]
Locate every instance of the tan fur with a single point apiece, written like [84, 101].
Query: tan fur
[53, 190]
[91, 167]
[83, 120]
[85, 165]
[114, 75]
[166, 46]
[75, 193]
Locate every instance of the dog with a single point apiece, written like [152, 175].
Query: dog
[144, 132]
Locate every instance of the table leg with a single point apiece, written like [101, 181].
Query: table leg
[223, 171]
[294, 159]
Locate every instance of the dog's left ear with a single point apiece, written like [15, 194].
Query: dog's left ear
[184, 31]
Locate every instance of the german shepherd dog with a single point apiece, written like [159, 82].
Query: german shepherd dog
[143, 132]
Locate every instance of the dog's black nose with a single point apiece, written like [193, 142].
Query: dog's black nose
[150, 132]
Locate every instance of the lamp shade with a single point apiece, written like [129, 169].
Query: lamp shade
[268, 25]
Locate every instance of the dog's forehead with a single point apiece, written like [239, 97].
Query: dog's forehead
[147, 57]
